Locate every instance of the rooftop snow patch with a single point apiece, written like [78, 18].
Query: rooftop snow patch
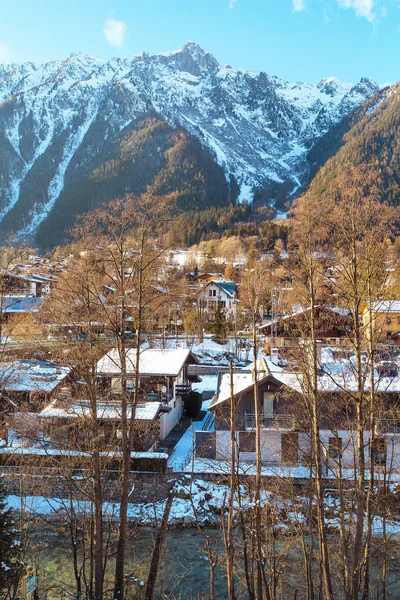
[167, 363]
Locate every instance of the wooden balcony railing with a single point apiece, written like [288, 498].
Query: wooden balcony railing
[286, 422]
[183, 388]
[387, 426]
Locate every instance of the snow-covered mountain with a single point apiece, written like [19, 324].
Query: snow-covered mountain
[57, 118]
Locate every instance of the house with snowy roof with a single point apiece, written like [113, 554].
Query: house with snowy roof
[284, 418]
[218, 293]
[163, 378]
[72, 418]
[31, 383]
[286, 331]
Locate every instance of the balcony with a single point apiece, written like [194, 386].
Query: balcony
[284, 422]
[387, 426]
[288, 341]
[183, 388]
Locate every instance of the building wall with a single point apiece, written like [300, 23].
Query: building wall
[169, 420]
[245, 405]
[209, 302]
[24, 326]
[384, 324]
[271, 448]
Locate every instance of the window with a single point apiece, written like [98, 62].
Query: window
[247, 441]
[268, 403]
[379, 451]
[214, 292]
[335, 447]
[210, 292]
[130, 385]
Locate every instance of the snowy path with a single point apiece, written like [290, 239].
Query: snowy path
[184, 448]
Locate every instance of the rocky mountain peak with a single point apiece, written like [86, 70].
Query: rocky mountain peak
[331, 86]
[192, 59]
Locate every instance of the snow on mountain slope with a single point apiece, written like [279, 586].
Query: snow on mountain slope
[259, 127]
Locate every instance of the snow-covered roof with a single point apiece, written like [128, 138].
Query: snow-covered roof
[299, 310]
[242, 381]
[145, 411]
[386, 306]
[31, 376]
[30, 277]
[151, 362]
[40, 451]
[22, 304]
[339, 376]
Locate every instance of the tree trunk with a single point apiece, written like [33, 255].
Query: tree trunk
[155, 559]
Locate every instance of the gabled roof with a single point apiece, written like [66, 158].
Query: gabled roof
[229, 287]
[242, 382]
[341, 312]
[151, 362]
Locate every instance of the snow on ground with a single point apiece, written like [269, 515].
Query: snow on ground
[203, 502]
[245, 193]
[211, 353]
[200, 465]
[183, 450]
[204, 498]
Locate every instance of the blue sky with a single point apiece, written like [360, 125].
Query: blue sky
[298, 40]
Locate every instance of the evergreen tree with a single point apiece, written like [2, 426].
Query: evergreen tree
[10, 564]
[220, 324]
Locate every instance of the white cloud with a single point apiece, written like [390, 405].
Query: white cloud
[115, 32]
[363, 8]
[6, 54]
[232, 3]
[299, 5]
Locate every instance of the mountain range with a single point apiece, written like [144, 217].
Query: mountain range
[80, 131]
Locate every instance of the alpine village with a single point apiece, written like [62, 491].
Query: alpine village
[199, 332]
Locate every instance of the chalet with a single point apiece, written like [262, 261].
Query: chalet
[22, 298]
[29, 284]
[68, 422]
[163, 377]
[31, 382]
[285, 425]
[218, 293]
[333, 327]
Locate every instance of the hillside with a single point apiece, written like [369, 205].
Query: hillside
[373, 141]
